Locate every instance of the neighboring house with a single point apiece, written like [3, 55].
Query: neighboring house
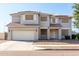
[33, 25]
[2, 36]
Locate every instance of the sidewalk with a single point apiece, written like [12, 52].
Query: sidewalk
[56, 47]
[57, 44]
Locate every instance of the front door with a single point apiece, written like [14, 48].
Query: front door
[43, 34]
[54, 34]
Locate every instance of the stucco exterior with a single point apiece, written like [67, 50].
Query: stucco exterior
[19, 23]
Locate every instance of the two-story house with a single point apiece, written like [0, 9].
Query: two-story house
[33, 25]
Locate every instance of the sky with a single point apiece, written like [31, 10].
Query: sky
[53, 8]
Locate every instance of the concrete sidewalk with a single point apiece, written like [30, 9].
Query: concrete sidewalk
[57, 44]
[41, 53]
[56, 47]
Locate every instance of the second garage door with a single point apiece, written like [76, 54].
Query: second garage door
[23, 35]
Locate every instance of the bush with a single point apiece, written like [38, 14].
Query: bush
[67, 37]
[77, 36]
[73, 36]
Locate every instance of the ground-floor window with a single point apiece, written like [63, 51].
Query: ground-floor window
[65, 32]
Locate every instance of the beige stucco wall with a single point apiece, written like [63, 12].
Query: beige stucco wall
[34, 21]
[2, 36]
[16, 18]
[9, 35]
[45, 24]
[21, 19]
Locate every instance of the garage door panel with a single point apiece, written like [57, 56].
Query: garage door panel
[23, 35]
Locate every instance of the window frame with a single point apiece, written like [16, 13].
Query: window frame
[28, 18]
[53, 20]
[43, 19]
[65, 20]
[66, 31]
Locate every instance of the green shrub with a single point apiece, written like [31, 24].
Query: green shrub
[77, 36]
[73, 36]
[67, 37]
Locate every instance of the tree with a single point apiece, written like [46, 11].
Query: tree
[76, 14]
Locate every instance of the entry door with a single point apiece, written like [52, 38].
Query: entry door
[54, 35]
[43, 34]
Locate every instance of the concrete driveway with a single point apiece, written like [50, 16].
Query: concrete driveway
[15, 46]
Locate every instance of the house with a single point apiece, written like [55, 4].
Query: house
[33, 25]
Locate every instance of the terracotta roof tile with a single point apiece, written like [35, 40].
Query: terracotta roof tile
[55, 25]
[21, 25]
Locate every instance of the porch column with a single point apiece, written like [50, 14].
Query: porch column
[9, 35]
[48, 34]
[60, 34]
[38, 34]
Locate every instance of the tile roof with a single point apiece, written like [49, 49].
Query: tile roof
[55, 25]
[22, 25]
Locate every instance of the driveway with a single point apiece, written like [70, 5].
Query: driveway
[2, 41]
[15, 46]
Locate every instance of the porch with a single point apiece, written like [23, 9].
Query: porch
[54, 34]
[50, 34]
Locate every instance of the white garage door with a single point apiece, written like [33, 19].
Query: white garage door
[23, 35]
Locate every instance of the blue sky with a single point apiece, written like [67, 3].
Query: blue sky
[54, 8]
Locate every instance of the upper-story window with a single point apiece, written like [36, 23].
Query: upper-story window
[65, 20]
[28, 17]
[53, 20]
[43, 18]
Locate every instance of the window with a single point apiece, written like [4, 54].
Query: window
[65, 20]
[28, 17]
[43, 18]
[9, 30]
[53, 20]
[64, 32]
